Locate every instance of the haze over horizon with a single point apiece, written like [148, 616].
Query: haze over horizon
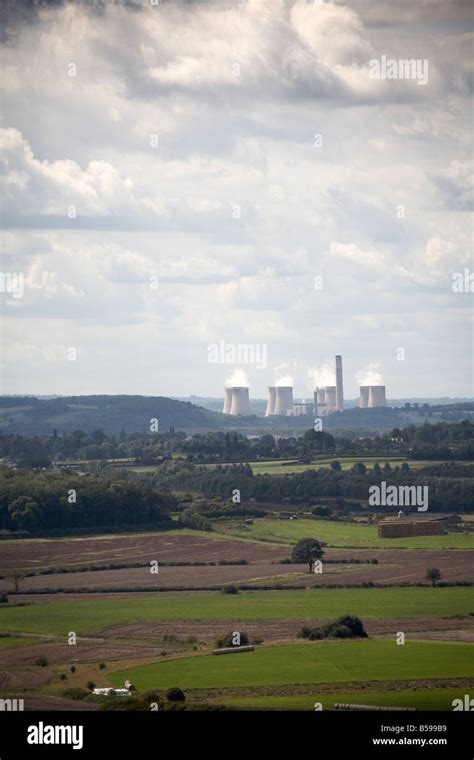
[186, 178]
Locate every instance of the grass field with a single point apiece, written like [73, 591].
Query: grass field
[421, 699]
[339, 534]
[280, 467]
[89, 614]
[11, 641]
[323, 662]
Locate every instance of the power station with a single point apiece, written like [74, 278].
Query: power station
[270, 410]
[327, 399]
[283, 400]
[239, 402]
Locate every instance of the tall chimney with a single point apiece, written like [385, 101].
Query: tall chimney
[339, 388]
[240, 402]
[270, 411]
[284, 399]
[227, 400]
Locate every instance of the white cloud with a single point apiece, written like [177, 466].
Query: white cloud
[228, 141]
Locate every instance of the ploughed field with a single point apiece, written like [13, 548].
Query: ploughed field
[82, 564]
[393, 567]
[159, 638]
[176, 546]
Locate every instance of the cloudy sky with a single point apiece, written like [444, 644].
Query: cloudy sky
[180, 174]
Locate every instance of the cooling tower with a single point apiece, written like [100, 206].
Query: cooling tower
[339, 385]
[364, 396]
[330, 396]
[270, 410]
[320, 402]
[376, 395]
[283, 399]
[240, 402]
[320, 396]
[227, 400]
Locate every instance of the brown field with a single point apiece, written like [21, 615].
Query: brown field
[168, 577]
[394, 565]
[24, 679]
[87, 650]
[75, 552]
[285, 630]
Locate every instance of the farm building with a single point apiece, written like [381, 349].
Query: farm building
[110, 692]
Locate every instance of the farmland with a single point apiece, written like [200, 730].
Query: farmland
[282, 466]
[432, 699]
[322, 662]
[107, 562]
[142, 629]
[339, 534]
[90, 614]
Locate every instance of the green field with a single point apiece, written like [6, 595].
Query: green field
[322, 662]
[282, 466]
[421, 699]
[11, 641]
[340, 535]
[91, 614]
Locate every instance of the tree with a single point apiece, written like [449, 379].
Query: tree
[25, 512]
[229, 638]
[433, 574]
[175, 695]
[321, 510]
[336, 466]
[16, 576]
[307, 550]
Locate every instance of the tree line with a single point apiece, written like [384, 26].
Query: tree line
[442, 441]
[44, 501]
[446, 493]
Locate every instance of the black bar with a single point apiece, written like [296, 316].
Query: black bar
[342, 734]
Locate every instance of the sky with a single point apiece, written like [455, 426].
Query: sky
[180, 176]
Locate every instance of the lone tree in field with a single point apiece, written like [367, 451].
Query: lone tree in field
[307, 550]
[16, 576]
[433, 574]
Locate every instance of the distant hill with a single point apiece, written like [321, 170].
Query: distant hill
[30, 415]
